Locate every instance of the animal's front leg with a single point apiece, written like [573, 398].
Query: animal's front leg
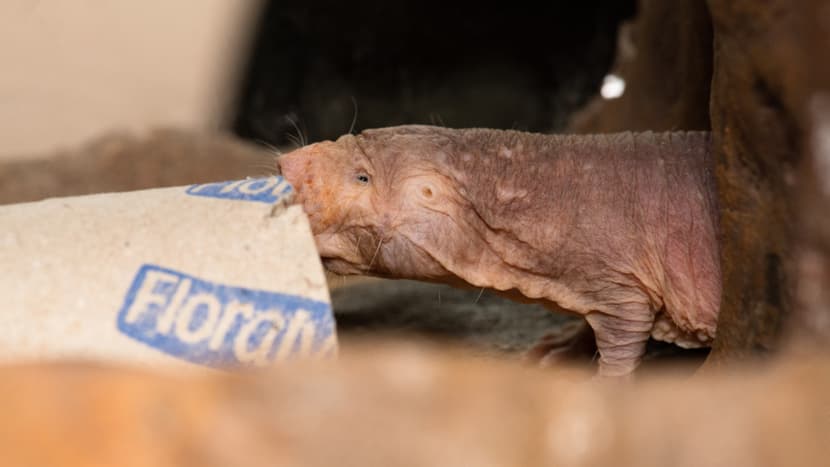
[621, 337]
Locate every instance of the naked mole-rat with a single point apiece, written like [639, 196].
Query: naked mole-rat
[618, 228]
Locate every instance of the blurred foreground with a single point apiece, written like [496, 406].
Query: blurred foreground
[408, 405]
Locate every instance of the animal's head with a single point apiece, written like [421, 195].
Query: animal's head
[382, 202]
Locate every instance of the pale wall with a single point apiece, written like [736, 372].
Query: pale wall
[73, 69]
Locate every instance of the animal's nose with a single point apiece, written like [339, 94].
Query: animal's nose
[292, 166]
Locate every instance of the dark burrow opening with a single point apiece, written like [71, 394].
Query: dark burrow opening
[522, 65]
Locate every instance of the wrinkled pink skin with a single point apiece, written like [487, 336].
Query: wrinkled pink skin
[618, 228]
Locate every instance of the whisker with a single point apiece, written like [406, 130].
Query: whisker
[359, 238]
[263, 166]
[354, 118]
[436, 120]
[380, 242]
[269, 146]
[300, 136]
[295, 141]
[377, 250]
[480, 293]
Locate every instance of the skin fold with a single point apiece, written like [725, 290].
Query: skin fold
[618, 228]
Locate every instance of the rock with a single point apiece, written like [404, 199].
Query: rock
[770, 61]
[811, 320]
[664, 55]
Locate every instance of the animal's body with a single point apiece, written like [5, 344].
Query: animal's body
[618, 228]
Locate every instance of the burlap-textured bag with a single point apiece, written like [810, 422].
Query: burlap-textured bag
[219, 275]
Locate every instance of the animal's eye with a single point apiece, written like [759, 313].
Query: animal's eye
[362, 178]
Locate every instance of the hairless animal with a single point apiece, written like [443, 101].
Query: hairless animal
[618, 228]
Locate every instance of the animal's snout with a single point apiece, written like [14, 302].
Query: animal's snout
[292, 166]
